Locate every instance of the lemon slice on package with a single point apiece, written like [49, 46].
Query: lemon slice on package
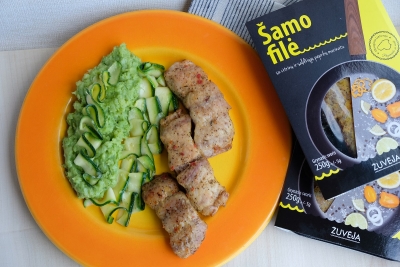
[365, 106]
[359, 204]
[377, 130]
[383, 90]
[385, 144]
[356, 220]
[389, 181]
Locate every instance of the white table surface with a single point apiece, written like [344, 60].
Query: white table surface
[22, 243]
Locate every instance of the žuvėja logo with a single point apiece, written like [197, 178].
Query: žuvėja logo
[347, 235]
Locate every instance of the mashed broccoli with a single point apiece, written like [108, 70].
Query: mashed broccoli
[119, 100]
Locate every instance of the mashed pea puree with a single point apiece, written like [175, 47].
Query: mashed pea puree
[119, 99]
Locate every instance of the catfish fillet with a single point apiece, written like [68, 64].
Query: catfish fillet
[185, 228]
[214, 131]
[202, 189]
[175, 133]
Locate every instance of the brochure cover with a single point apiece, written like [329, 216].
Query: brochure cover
[333, 64]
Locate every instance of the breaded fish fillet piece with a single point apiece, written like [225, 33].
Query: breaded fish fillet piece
[183, 76]
[202, 189]
[158, 189]
[175, 133]
[214, 131]
[185, 228]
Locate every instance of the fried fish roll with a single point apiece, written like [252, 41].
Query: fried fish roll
[214, 131]
[202, 189]
[158, 189]
[175, 133]
[185, 228]
[182, 77]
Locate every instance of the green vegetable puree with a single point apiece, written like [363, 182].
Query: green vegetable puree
[119, 100]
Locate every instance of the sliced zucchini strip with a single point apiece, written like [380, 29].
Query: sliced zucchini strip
[164, 96]
[128, 164]
[108, 198]
[145, 150]
[133, 145]
[89, 142]
[114, 71]
[150, 69]
[154, 110]
[97, 92]
[145, 88]
[138, 127]
[153, 140]
[87, 165]
[86, 124]
[95, 112]
[136, 160]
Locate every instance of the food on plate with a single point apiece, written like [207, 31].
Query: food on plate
[113, 133]
[213, 130]
[369, 194]
[213, 134]
[175, 133]
[99, 123]
[322, 202]
[379, 115]
[122, 112]
[161, 187]
[388, 200]
[185, 228]
[202, 189]
[337, 108]
[194, 171]
[383, 90]
[183, 77]
[394, 109]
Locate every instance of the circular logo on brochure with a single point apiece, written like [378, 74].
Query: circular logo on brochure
[384, 45]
